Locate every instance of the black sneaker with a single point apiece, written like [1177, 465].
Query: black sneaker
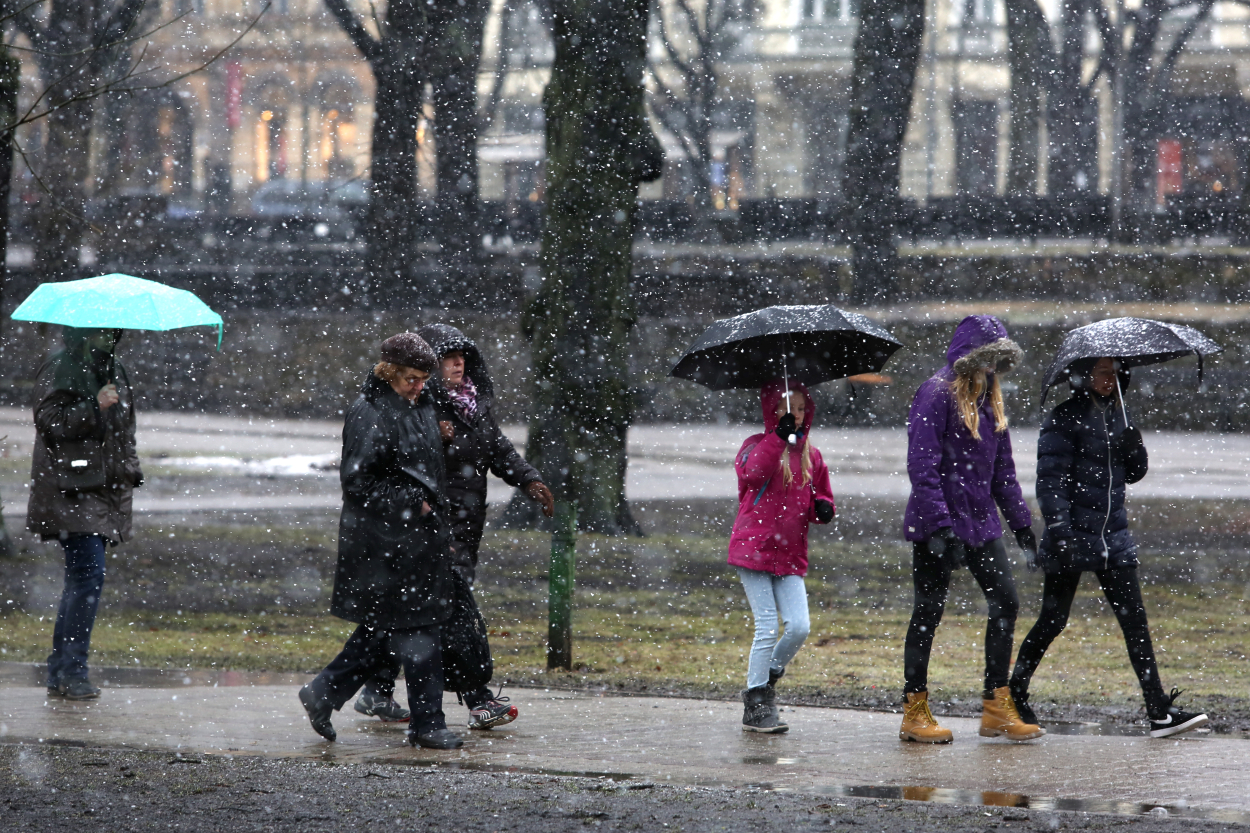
[78, 688]
[496, 711]
[385, 708]
[319, 711]
[436, 739]
[1174, 721]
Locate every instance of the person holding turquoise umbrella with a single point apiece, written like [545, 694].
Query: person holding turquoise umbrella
[85, 467]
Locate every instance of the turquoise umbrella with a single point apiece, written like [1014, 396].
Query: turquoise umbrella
[117, 302]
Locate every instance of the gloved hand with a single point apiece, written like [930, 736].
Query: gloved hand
[944, 544]
[786, 426]
[1028, 542]
[539, 492]
[824, 511]
[1128, 441]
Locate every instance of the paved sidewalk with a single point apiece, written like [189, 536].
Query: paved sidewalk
[828, 751]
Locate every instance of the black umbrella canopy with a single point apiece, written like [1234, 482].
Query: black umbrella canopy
[1134, 341]
[810, 343]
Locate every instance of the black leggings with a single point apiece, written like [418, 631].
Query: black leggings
[931, 576]
[1123, 593]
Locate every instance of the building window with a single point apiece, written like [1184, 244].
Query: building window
[976, 146]
[830, 11]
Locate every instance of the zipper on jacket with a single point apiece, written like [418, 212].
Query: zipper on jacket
[1106, 551]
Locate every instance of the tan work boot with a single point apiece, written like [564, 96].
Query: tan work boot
[918, 722]
[999, 718]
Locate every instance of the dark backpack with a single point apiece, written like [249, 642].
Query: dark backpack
[467, 665]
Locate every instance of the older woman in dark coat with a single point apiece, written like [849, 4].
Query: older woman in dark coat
[463, 396]
[394, 574]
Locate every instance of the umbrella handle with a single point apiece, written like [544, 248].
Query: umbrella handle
[785, 373]
[1120, 395]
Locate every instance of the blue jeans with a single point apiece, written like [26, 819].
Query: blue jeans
[774, 598]
[84, 580]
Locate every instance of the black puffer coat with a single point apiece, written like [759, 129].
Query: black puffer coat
[67, 413]
[394, 568]
[1082, 468]
[479, 446]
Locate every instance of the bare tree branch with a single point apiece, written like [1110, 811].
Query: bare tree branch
[1163, 75]
[355, 30]
[666, 40]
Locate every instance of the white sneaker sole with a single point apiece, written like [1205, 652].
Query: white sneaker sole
[1196, 722]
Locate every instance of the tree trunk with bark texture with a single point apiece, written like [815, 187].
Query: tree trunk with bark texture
[1073, 116]
[887, 48]
[1028, 47]
[391, 229]
[457, 41]
[599, 148]
[10, 82]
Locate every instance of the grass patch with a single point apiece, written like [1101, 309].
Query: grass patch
[655, 615]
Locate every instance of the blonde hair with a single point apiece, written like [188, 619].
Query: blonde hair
[786, 475]
[969, 391]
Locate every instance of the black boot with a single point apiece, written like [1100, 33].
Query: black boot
[759, 712]
[1021, 698]
[435, 739]
[774, 675]
[319, 710]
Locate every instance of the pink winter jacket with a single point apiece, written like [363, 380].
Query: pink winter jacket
[770, 532]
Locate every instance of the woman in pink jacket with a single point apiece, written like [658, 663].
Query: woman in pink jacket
[783, 486]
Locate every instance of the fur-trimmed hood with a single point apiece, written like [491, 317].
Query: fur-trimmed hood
[445, 338]
[982, 341]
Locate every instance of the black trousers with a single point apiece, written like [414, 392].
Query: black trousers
[931, 576]
[368, 653]
[1123, 592]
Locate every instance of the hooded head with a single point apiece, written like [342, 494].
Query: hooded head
[770, 399]
[982, 341]
[1081, 369]
[97, 353]
[446, 339]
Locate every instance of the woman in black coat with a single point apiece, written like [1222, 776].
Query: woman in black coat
[463, 397]
[1086, 454]
[394, 572]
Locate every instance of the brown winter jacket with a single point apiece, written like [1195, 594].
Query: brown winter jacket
[66, 410]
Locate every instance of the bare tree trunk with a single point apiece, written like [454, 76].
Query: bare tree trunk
[1028, 50]
[887, 48]
[599, 148]
[454, 84]
[10, 82]
[1073, 117]
[391, 228]
[59, 224]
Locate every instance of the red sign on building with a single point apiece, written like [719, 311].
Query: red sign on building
[1171, 171]
[234, 94]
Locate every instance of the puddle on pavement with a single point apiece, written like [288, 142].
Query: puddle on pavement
[939, 795]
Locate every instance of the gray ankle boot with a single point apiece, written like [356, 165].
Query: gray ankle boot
[759, 713]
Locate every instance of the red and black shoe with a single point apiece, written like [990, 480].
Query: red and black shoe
[496, 711]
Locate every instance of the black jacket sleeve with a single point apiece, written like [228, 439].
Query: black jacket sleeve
[368, 472]
[64, 415]
[1056, 448]
[505, 461]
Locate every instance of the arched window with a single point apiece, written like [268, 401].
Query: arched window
[273, 151]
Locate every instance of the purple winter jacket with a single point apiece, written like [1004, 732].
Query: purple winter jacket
[956, 480]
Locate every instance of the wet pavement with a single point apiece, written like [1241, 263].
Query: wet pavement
[656, 739]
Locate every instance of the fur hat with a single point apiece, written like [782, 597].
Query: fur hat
[1002, 355]
[409, 350]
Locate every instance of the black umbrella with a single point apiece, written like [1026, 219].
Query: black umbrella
[813, 344]
[1133, 341]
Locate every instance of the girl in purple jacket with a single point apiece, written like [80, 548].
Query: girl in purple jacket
[783, 486]
[962, 473]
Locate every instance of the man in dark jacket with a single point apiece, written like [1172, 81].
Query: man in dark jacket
[1086, 454]
[463, 397]
[394, 575]
[83, 473]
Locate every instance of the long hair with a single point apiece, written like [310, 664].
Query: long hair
[969, 391]
[786, 475]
